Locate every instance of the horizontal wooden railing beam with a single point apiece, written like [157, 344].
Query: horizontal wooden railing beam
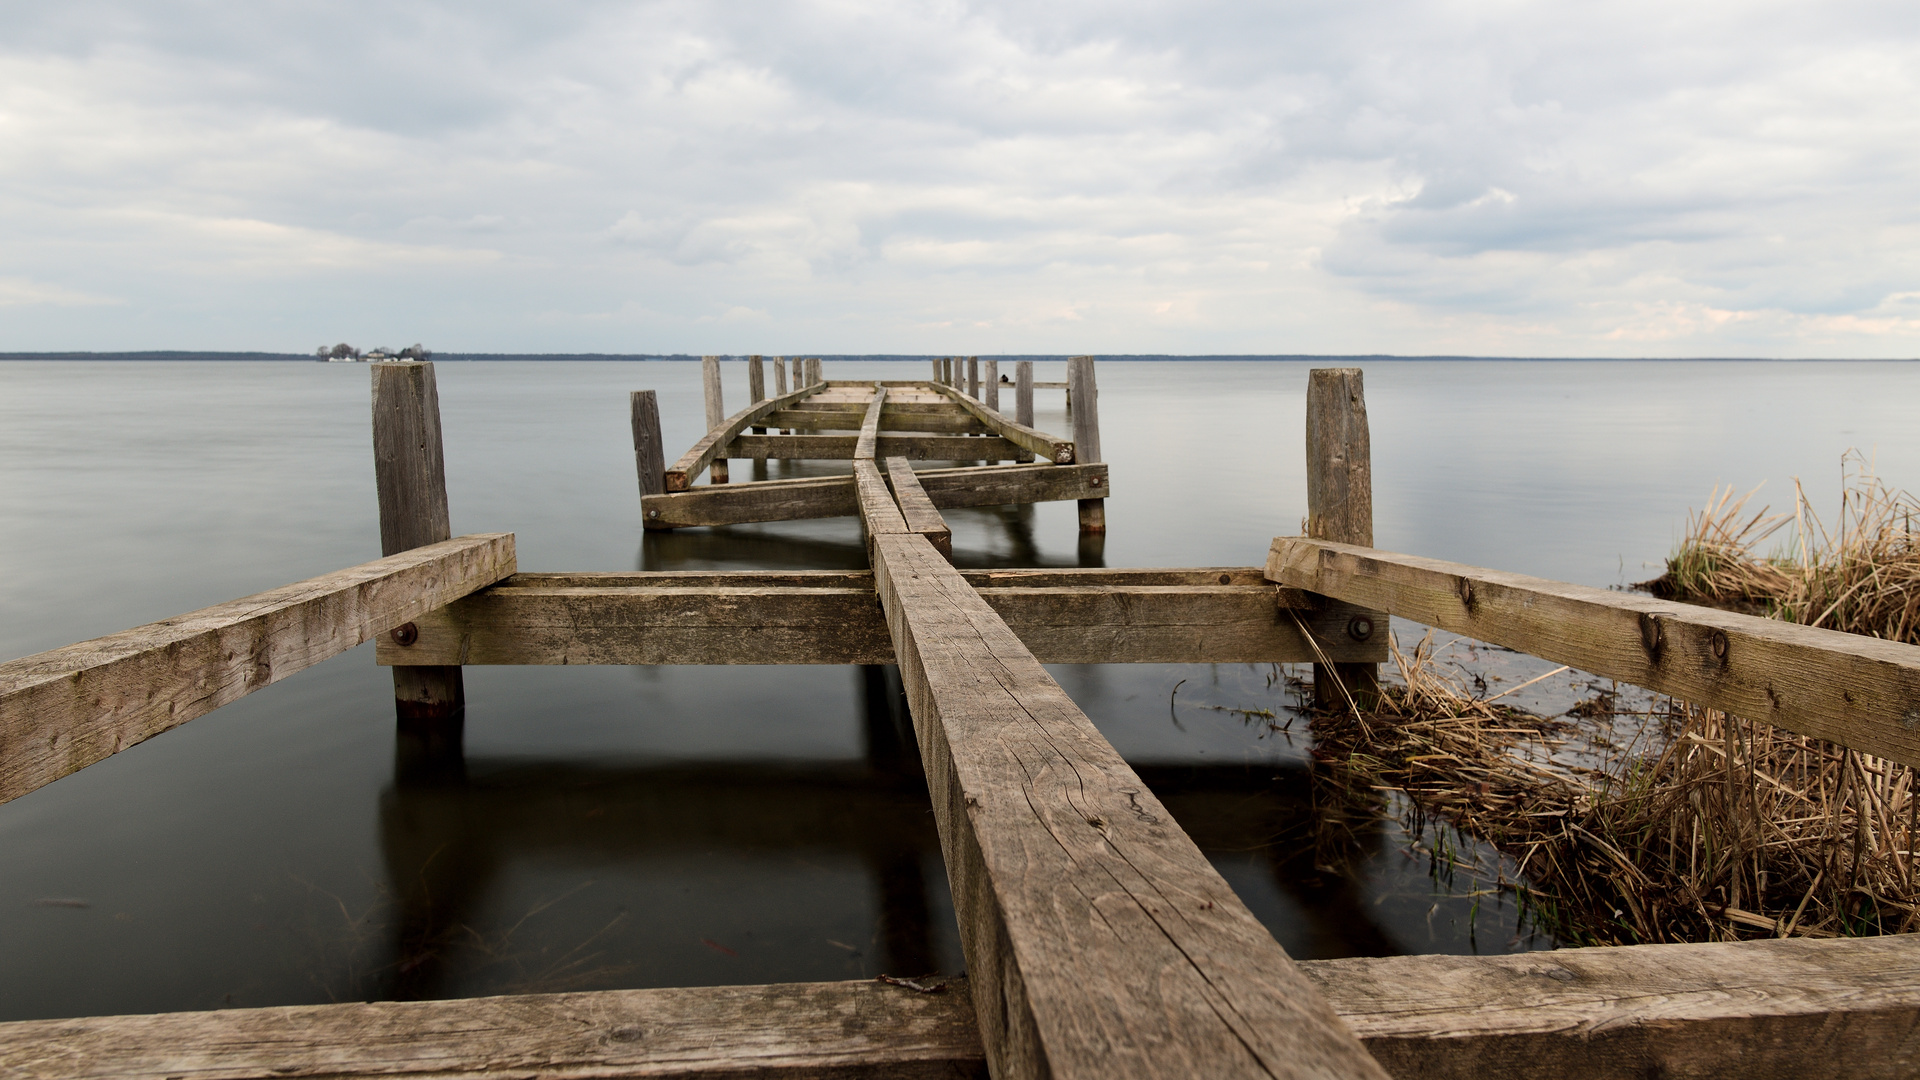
[1064, 617]
[681, 474]
[833, 496]
[954, 423]
[843, 447]
[63, 710]
[1047, 447]
[1857, 691]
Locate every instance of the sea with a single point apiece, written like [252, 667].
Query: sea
[676, 826]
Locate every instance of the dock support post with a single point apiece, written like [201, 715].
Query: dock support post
[1340, 507]
[410, 474]
[716, 412]
[973, 377]
[1023, 401]
[990, 382]
[1086, 435]
[649, 456]
[756, 385]
[936, 369]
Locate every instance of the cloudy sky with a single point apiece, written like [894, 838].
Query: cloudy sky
[1702, 178]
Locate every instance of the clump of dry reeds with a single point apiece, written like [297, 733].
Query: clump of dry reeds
[1708, 829]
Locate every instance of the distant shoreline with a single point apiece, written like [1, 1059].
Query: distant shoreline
[453, 357]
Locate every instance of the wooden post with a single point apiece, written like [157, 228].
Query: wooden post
[1086, 435]
[936, 369]
[649, 456]
[756, 385]
[1023, 400]
[779, 376]
[410, 473]
[973, 377]
[716, 411]
[990, 382]
[1340, 506]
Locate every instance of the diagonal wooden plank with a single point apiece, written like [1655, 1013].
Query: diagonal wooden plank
[1101, 943]
[63, 710]
[919, 510]
[870, 427]
[1048, 447]
[682, 474]
[1858, 691]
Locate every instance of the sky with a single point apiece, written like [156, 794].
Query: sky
[1499, 177]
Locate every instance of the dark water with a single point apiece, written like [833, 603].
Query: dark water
[682, 826]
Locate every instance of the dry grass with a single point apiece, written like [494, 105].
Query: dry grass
[1708, 829]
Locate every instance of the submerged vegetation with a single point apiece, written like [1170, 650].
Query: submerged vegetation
[1667, 822]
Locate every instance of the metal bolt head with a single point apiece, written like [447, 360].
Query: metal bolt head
[405, 634]
[1718, 643]
[653, 513]
[1360, 628]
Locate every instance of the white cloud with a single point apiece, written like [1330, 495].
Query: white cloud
[1483, 176]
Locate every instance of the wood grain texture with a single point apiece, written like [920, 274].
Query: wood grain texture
[990, 384]
[843, 447]
[878, 512]
[1857, 691]
[779, 376]
[1340, 506]
[1039, 443]
[649, 453]
[957, 422]
[63, 710]
[795, 1031]
[833, 496]
[705, 452]
[864, 446]
[409, 470]
[1100, 941]
[1844, 1009]
[1086, 409]
[1023, 394]
[1114, 616]
[973, 377]
[921, 515]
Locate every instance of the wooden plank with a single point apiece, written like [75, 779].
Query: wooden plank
[917, 509]
[680, 477]
[409, 470]
[649, 454]
[833, 496]
[870, 427]
[1042, 445]
[1858, 691]
[1758, 1010]
[1102, 943]
[955, 423]
[878, 514]
[1340, 508]
[63, 710]
[794, 1031]
[1084, 397]
[843, 447]
[764, 618]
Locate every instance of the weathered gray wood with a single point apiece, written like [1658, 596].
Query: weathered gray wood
[1110, 616]
[1023, 394]
[705, 452]
[990, 382]
[63, 710]
[878, 513]
[832, 496]
[756, 384]
[1858, 691]
[973, 376]
[1340, 505]
[869, 438]
[795, 1031]
[712, 392]
[410, 475]
[1023, 438]
[936, 369]
[842, 447]
[1084, 394]
[649, 454]
[1757, 1010]
[918, 510]
[958, 422]
[1101, 942]
[779, 376]
[859, 408]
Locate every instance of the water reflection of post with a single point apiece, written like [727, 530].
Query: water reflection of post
[898, 870]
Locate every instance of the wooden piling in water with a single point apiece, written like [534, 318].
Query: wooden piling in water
[1023, 397]
[716, 413]
[410, 474]
[1084, 397]
[1340, 508]
[756, 385]
[649, 455]
[990, 382]
[973, 377]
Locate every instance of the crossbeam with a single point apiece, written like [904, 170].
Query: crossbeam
[1857, 691]
[954, 422]
[845, 447]
[1059, 451]
[833, 496]
[63, 710]
[715, 442]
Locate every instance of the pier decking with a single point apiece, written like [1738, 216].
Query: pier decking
[1099, 941]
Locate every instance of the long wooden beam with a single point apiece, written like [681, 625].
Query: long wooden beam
[843, 447]
[681, 476]
[955, 423]
[1858, 691]
[922, 516]
[833, 496]
[863, 449]
[1049, 448]
[1063, 617]
[63, 710]
[1101, 942]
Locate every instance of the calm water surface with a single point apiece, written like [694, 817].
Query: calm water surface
[682, 826]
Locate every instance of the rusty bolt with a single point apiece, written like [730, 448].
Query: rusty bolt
[405, 634]
[1360, 628]
[1226, 579]
[1718, 642]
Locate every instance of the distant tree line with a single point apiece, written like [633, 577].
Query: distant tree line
[344, 351]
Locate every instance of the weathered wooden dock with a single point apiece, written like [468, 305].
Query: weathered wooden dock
[1099, 941]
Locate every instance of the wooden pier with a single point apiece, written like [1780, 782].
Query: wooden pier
[1099, 941]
